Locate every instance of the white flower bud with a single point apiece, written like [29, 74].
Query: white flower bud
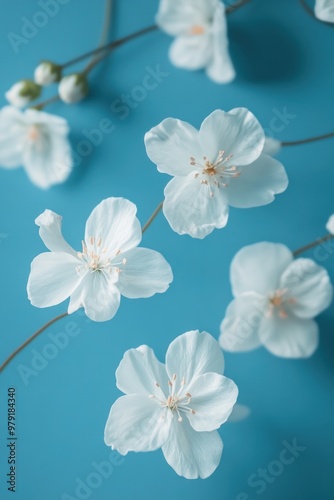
[22, 93]
[47, 72]
[73, 88]
[330, 224]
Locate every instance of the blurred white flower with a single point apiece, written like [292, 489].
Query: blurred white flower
[177, 406]
[22, 93]
[324, 10]
[201, 36]
[73, 88]
[39, 142]
[109, 265]
[330, 224]
[46, 73]
[276, 299]
[220, 165]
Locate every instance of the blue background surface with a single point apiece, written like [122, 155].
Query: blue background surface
[283, 58]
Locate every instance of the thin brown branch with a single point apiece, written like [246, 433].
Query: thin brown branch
[30, 339]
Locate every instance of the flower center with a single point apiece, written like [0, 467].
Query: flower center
[197, 30]
[278, 302]
[177, 401]
[215, 174]
[94, 257]
[33, 133]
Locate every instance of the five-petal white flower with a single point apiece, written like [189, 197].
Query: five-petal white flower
[276, 299]
[222, 164]
[39, 142]
[109, 265]
[324, 10]
[201, 36]
[177, 406]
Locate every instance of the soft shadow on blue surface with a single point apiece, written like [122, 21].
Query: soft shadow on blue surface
[266, 52]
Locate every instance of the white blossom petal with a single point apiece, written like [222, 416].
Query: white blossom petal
[171, 144]
[140, 371]
[289, 337]
[190, 209]
[100, 297]
[144, 273]
[12, 130]
[271, 146]
[192, 454]
[52, 279]
[258, 183]
[213, 397]
[114, 222]
[177, 18]
[134, 424]
[237, 132]
[192, 354]
[324, 10]
[330, 224]
[258, 267]
[39, 142]
[54, 123]
[50, 232]
[220, 69]
[308, 286]
[239, 328]
[191, 52]
[47, 159]
[77, 296]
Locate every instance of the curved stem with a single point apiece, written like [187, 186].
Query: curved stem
[42, 104]
[151, 219]
[310, 139]
[112, 45]
[313, 244]
[57, 318]
[91, 64]
[103, 38]
[106, 49]
[236, 6]
[307, 8]
[30, 339]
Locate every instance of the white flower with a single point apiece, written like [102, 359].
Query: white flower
[108, 266]
[220, 165]
[39, 142]
[276, 299]
[22, 93]
[324, 10]
[177, 406]
[201, 36]
[73, 88]
[46, 73]
[330, 224]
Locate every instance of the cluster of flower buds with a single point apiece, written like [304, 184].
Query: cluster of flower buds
[72, 88]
